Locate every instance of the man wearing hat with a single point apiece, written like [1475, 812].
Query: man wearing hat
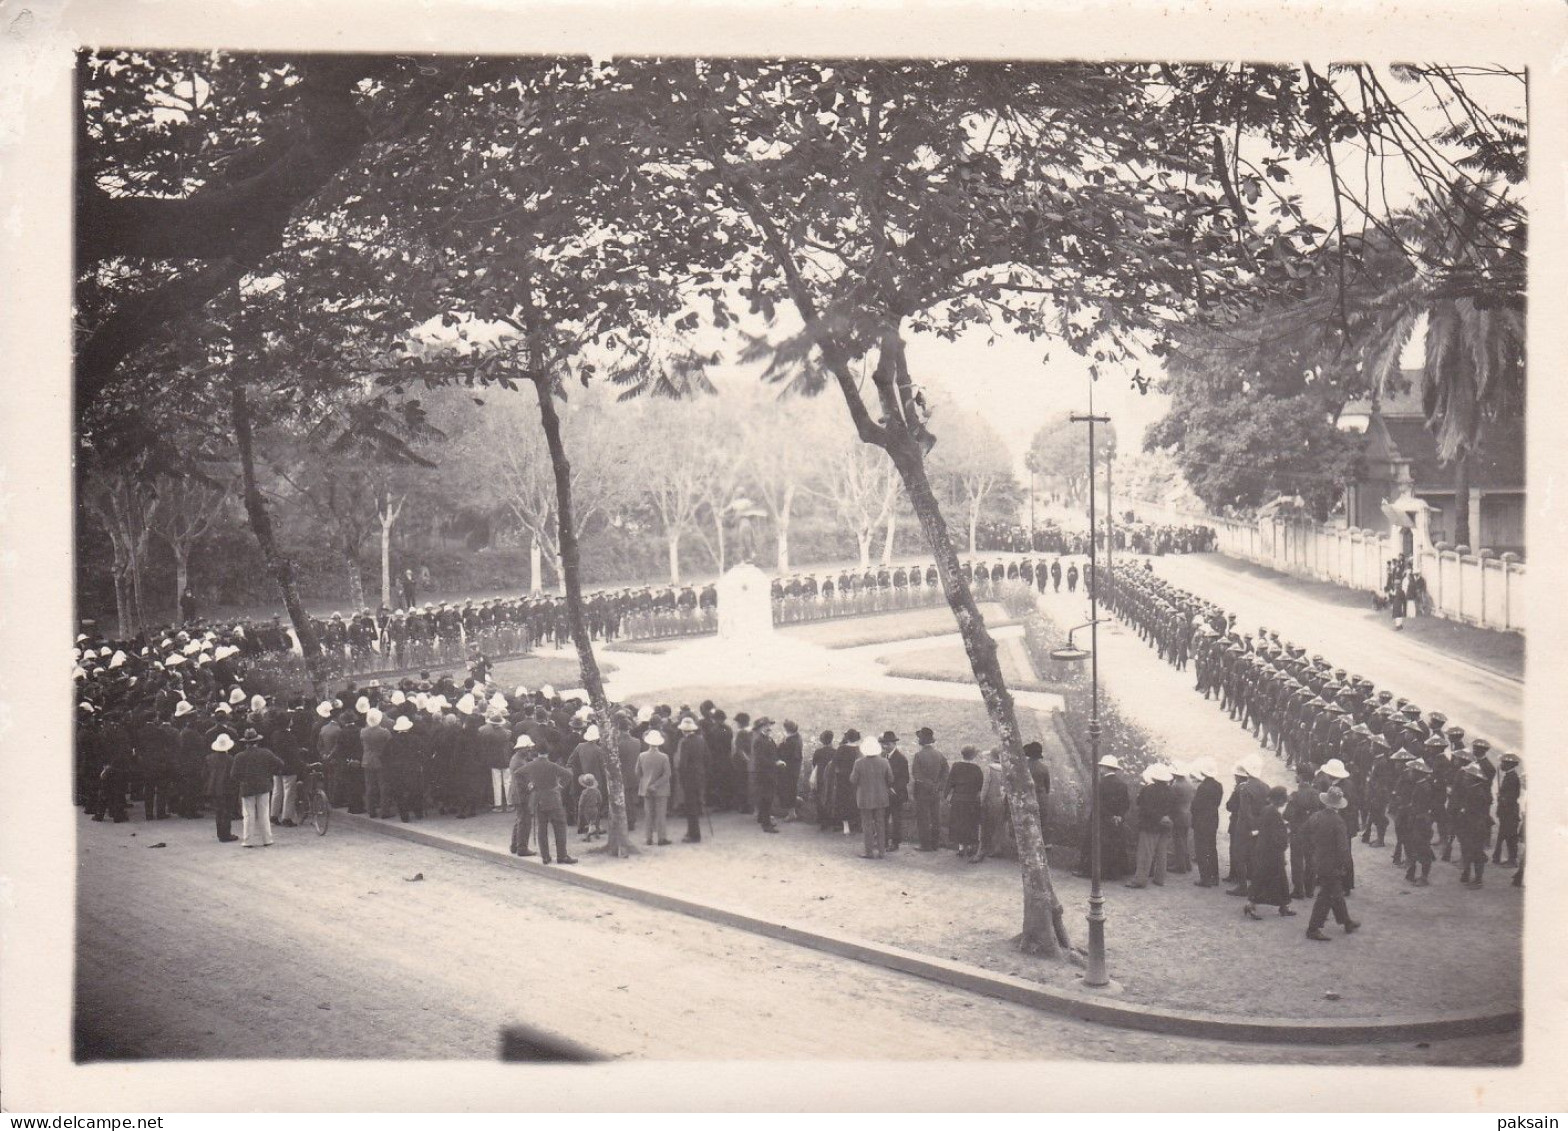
[1040, 777]
[220, 786]
[1113, 802]
[1419, 808]
[252, 771]
[928, 776]
[898, 789]
[1475, 824]
[653, 785]
[1509, 790]
[374, 740]
[1206, 798]
[765, 768]
[1155, 805]
[1248, 800]
[523, 751]
[1329, 842]
[545, 782]
[872, 777]
[691, 767]
[1298, 813]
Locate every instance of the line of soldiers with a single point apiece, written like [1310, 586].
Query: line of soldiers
[807, 597]
[803, 597]
[1128, 533]
[444, 633]
[1396, 765]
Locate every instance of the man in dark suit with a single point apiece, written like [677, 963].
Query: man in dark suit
[1329, 843]
[691, 767]
[765, 768]
[1247, 802]
[1205, 828]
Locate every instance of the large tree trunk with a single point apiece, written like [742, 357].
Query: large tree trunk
[281, 568]
[974, 526]
[892, 531]
[137, 555]
[535, 566]
[675, 557]
[356, 579]
[1042, 928]
[718, 532]
[386, 560]
[122, 599]
[863, 537]
[619, 842]
[781, 520]
[181, 578]
[1462, 502]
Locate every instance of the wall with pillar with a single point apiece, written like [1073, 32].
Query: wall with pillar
[1480, 589]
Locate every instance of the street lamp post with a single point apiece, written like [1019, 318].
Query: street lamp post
[1030, 463]
[1095, 974]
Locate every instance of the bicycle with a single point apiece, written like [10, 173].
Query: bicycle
[318, 809]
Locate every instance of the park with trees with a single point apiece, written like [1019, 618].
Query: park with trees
[333, 311]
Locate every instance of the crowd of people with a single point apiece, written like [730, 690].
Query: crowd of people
[1404, 591]
[189, 740]
[1127, 533]
[171, 725]
[1375, 759]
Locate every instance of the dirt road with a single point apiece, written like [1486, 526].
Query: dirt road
[322, 947]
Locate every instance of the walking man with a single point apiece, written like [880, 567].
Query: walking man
[1329, 843]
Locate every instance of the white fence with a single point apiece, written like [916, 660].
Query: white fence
[1476, 589]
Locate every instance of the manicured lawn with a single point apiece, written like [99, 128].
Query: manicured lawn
[950, 662]
[880, 628]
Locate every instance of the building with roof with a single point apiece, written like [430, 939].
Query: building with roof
[1400, 459]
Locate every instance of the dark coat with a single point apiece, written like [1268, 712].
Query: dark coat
[1156, 804]
[1270, 883]
[1329, 842]
[1206, 805]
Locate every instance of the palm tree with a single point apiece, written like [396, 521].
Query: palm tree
[1464, 276]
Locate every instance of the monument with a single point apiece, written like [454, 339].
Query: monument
[746, 650]
[745, 604]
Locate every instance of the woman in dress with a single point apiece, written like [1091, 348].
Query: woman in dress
[964, 783]
[846, 811]
[1270, 882]
[822, 780]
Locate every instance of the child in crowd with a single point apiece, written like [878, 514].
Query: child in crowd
[590, 807]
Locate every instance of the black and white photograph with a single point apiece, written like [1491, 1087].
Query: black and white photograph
[903, 553]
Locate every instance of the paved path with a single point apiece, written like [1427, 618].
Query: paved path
[1484, 703]
[321, 947]
[1183, 725]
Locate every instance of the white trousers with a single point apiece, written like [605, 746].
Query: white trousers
[500, 787]
[256, 812]
[285, 797]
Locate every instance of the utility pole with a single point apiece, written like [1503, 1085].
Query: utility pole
[1094, 973]
[1029, 462]
[1110, 521]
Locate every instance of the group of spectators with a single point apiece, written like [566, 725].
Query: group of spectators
[190, 740]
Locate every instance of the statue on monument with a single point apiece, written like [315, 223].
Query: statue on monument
[746, 515]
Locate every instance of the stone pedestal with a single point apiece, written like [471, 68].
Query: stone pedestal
[745, 605]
